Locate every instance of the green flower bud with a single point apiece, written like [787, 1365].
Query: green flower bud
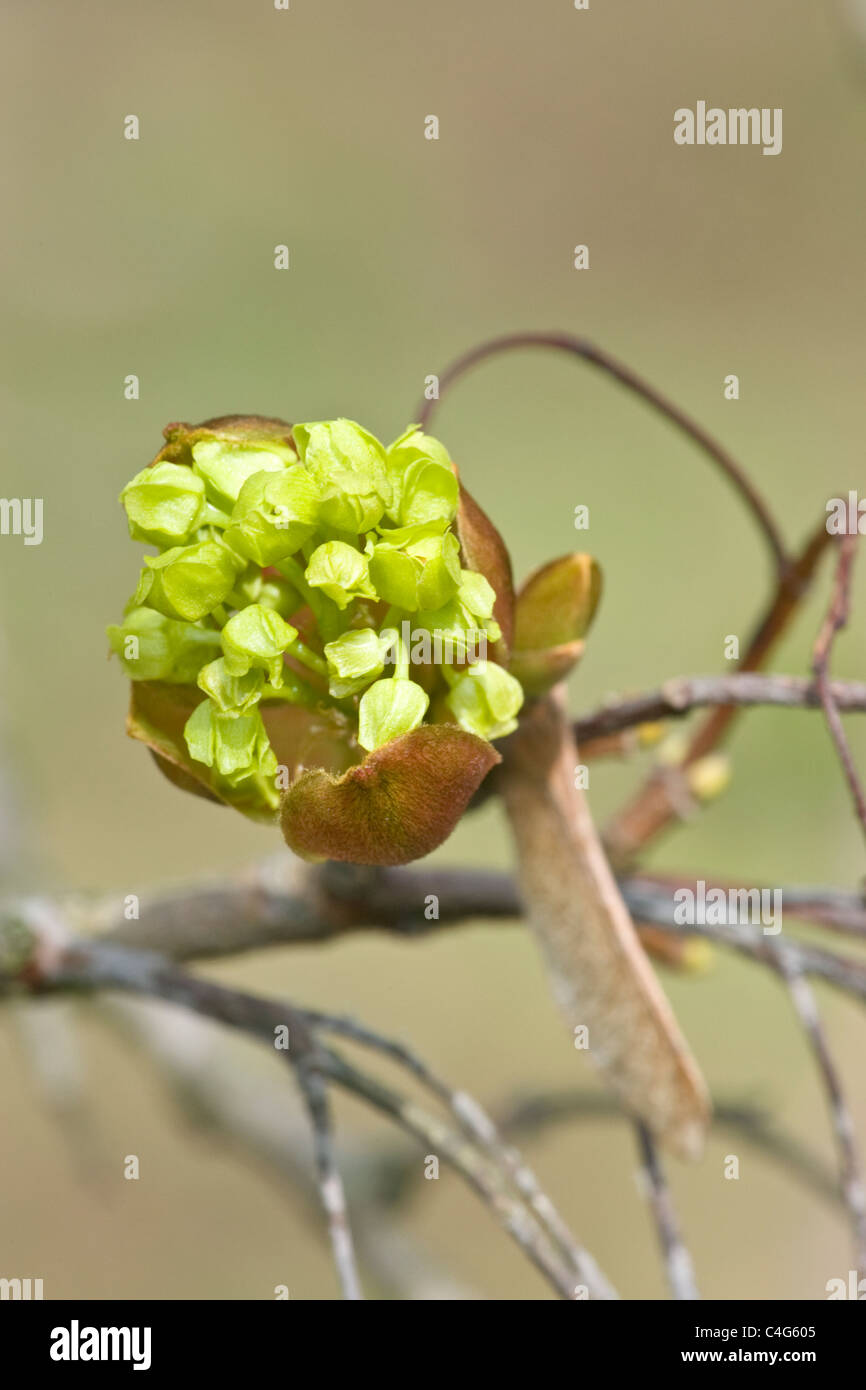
[424, 485]
[485, 700]
[275, 514]
[224, 466]
[388, 709]
[256, 638]
[232, 695]
[397, 536]
[457, 627]
[188, 581]
[152, 647]
[236, 745]
[341, 572]
[440, 577]
[414, 444]
[477, 596]
[164, 504]
[429, 492]
[395, 576]
[348, 464]
[354, 659]
[276, 593]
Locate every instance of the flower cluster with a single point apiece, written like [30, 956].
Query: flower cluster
[278, 634]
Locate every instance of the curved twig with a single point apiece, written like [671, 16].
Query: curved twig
[678, 1261]
[598, 357]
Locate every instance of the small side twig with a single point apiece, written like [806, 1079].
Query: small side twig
[678, 1261]
[481, 1175]
[840, 910]
[216, 1094]
[850, 1167]
[30, 961]
[478, 1126]
[835, 620]
[331, 1188]
[677, 698]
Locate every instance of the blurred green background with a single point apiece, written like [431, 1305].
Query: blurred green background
[155, 257]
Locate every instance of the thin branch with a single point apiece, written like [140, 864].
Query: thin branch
[35, 955]
[397, 906]
[597, 357]
[75, 965]
[51, 964]
[850, 1166]
[331, 1190]
[837, 618]
[678, 1261]
[482, 1175]
[841, 910]
[248, 1113]
[677, 698]
[477, 1124]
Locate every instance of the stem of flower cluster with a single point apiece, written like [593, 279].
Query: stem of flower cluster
[310, 659]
